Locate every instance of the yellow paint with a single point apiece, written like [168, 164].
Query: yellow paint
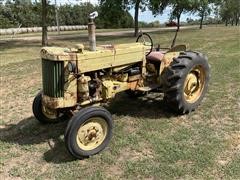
[56, 103]
[194, 84]
[92, 133]
[111, 88]
[167, 59]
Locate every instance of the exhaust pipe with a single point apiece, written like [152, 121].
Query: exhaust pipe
[92, 31]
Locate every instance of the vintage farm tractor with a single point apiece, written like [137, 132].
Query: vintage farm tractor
[77, 81]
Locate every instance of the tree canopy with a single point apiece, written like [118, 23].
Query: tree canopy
[113, 13]
[230, 11]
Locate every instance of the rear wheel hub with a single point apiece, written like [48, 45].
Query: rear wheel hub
[194, 83]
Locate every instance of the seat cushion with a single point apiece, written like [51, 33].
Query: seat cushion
[155, 56]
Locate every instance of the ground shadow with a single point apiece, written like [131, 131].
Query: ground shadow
[150, 106]
[30, 132]
[12, 44]
[57, 152]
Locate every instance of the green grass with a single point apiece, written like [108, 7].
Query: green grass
[149, 141]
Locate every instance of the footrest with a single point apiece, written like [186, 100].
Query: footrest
[148, 88]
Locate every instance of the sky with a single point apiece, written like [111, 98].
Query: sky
[143, 16]
[148, 17]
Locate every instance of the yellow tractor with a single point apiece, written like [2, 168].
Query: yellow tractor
[77, 81]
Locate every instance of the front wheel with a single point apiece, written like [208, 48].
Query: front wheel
[185, 81]
[46, 115]
[88, 132]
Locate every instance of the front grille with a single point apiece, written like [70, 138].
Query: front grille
[53, 78]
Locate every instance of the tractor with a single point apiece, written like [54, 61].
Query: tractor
[78, 81]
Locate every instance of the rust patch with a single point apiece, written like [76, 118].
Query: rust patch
[133, 85]
[134, 78]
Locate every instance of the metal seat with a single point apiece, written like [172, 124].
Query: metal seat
[155, 56]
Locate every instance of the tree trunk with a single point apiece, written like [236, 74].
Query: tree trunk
[237, 20]
[44, 23]
[136, 18]
[201, 22]
[57, 18]
[178, 28]
[232, 23]
[226, 23]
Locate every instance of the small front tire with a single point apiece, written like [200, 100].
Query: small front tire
[88, 132]
[42, 117]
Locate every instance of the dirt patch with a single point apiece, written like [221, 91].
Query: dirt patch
[130, 125]
[18, 95]
[23, 165]
[127, 154]
[234, 140]
[227, 156]
[114, 171]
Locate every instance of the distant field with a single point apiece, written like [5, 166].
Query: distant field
[149, 142]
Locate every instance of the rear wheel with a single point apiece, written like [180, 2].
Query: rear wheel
[44, 114]
[88, 132]
[185, 81]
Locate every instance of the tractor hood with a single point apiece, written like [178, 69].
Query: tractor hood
[79, 53]
[106, 56]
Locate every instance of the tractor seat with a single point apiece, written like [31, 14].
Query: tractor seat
[155, 56]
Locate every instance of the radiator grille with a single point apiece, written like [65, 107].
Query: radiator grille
[53, 78]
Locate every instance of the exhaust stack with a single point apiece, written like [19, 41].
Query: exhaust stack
[92, 31]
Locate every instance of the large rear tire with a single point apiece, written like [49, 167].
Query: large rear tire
[88, 132]
[185, 81]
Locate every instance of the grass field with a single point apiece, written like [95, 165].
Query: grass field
[149, 142]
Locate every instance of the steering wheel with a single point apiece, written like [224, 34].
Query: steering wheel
[147, 42]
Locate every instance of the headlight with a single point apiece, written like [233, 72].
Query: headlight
[71, 67]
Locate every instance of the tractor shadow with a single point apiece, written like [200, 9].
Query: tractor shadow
[30, 132]
[150, 106]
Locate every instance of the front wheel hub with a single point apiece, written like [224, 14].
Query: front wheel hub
[92, 133]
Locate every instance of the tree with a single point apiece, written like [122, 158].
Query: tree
[178, 7]
[44, 23]
[229, 11]
[6, 17]
[136, 15]
[203, 9]
[14, 13]
[57, 17]
[138, 5]
[113, 14]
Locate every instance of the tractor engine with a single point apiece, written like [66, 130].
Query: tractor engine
[78, 76]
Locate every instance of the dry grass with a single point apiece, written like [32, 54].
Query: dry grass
[149, 141]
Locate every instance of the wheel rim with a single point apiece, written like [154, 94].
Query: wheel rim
[49, 113]
[194, 84]
[92, 133]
